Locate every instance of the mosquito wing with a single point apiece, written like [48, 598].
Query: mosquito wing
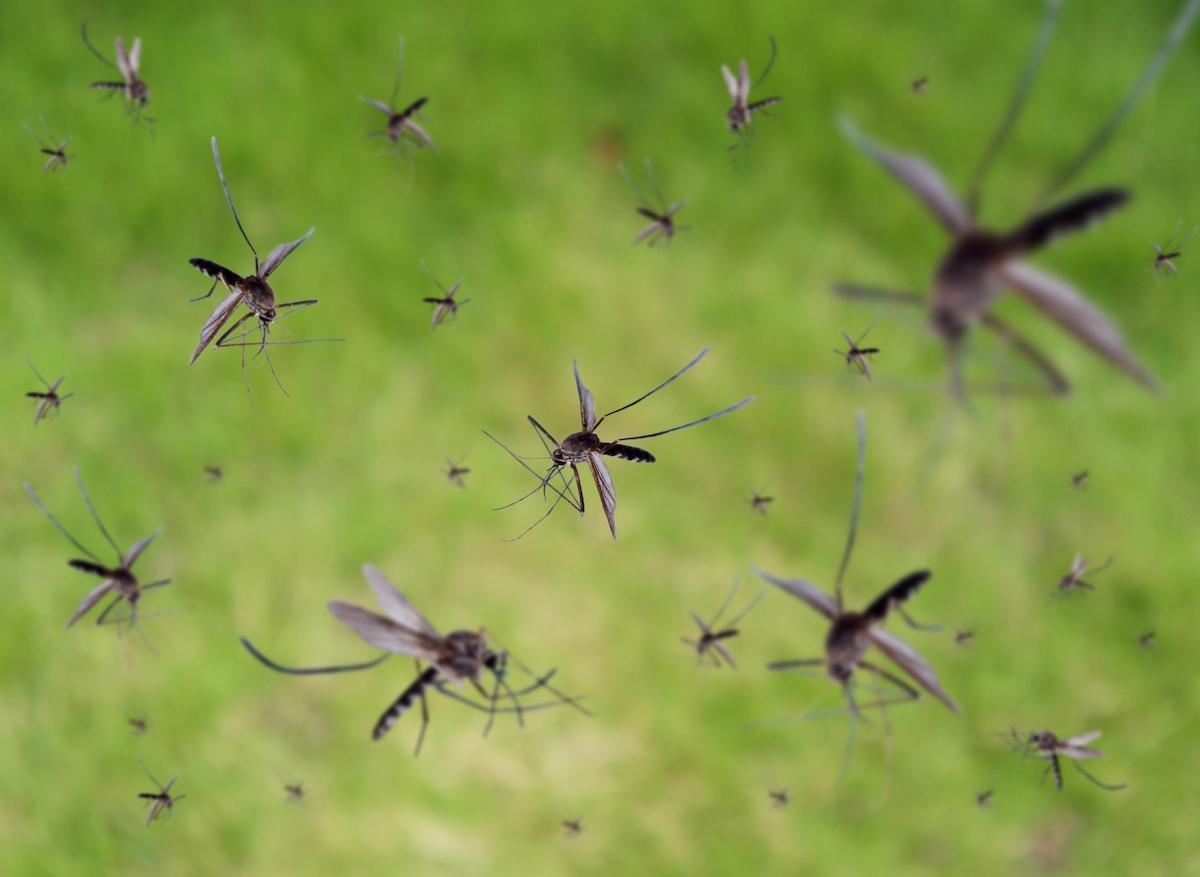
[94, 596]
[138, 547]
[219, 316]
[123, 61]
[743, 81]
[135, 56]
[396, 604]
[730, 82]
[276, 256]
[806, 591]
[1076, 747]
[587, 404]
[913, 664]
[377, 104]
[383, 633]
[604, 487]
[421, 135]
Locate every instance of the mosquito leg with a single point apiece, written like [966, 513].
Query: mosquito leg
[424, 716]
[914, 624]
[206, 295]
[57, 525]
[109, 608]
[1104, 786]
[310, 671]
[801, 662]
[87, 501]
[856, 504]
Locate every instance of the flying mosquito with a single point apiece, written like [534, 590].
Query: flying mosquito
[295, 791]
[852, 635]
[1073, 580]
[253, 291]
[1165, 257]
[964, 638]
[135, 92]
[213, 473]
[458, 657]
[856, 356]
[741, 114]
[1079, 480]
[456, 474]
[984, 798]
[572, 827]
[50, 146]
[920, 85]
[445, 306]
[1046, 745]
[138, 725]
[160, 800]
[710, 642]
[759, 502]
[118, 580]
[402, 127]
[981, 263]
[662, 225]
[48, 400]
[779, 797]
[1148, 640]
[587, 447]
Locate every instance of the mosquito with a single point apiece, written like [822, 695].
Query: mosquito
[1148, 640]
[1165, 257]
[119, 580]
[1073, 580]
[587, 447]
[981, 263]
[572, 827]
[402, 127]
[295, 791]
[135, 92]
[458, 657]
[984, 798]
[741, 114]
[759, 503]
[160, 800]
[662, 225]
[253, 291]
[779, 797]
[920, 85]
[852, 635]
[48, 400]
[213, 473]
[138, 725]
[456, 474]
[710, 643]
[856, 356]
[1080, 479]
[963, 638]
[50, 146]
[1046, 745]
[445, 306]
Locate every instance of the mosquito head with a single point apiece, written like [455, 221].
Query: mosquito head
[840, 672]
[139, 93]
[465, 652]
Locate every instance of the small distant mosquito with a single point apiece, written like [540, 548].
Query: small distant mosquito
[445, 306]
[741, 114]
[920, 85]
[139, 726]
[48, 400]
[135, 92]
[295, 791]
[118, 580]
[1074, 578]
[710, 642]
[1165, 257]
[1046, 745]
[759, 503]
[458, 657]
[160, 800]
[1080, 479]
[779, 797]
[456, 474]
[402, 127]
[984, 798]
[856, 356]
[587, 447]
[213, 473]
[662, 225]
[50, 146]
[573, 827]
[963, 638]
[1148, 640]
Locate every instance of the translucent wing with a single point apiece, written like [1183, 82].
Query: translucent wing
[421, 135]
[743, 82]
[396, 604]
[135, 56]
[281, 252]
[123, 62]
[384, 633]
[219, 316]
[587, 404]
[94, 596]
[377, 104]
[604, 487]
[913, 664]
[730, 83]
[138, 547]
[804, 590]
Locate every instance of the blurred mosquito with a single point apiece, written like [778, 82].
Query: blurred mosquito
[456, 474]
[1046, 745]
[1073, 580]
[160, 800]
[458, 657]
[50, 146]
[572, 827]
[662, 225]
[741, 115]
[920, 85]
[587, 447]
[213, 473]
[118, 580]
[253, 291]
[856, 356]
[759, 503]
[138, 726]
[852, 634]
[779, 798]
[402, 127]
[447, 305]
[984, 798]
[963, 638]
[295, 791]
[130, 86]
[981, 263]
[1165, 257]
[48, 400]
[1080, 479]
[710, 643]
[1148, 640]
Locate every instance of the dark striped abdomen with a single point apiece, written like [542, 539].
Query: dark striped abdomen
[403, 702]
[217, 272]
[629, 452]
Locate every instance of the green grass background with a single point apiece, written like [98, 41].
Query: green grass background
[532, 105]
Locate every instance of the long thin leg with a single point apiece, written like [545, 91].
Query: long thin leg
[856, 504]
[699, 356]
[109, 608]
[87, 501]
[53, 520]
[527, 467]
[1104, 786]
[310, 671]
[424, 715]
[542, 681]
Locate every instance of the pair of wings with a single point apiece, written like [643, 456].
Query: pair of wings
[1056, 298]
[600, 474]
[1074, 747]
[96, 594]
[129, 62]
[403, 629]
[739, 87]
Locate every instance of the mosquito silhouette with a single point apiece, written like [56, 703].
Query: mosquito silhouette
[213, 473]
[779, 798]
[984, 798]
[1074, 581]
[119, 580]
[710, 643]
[587, 447]
[981, 263]
[50, 146]
[459, 657]
[130, 86]
[759, 502]
[139, 725]
[920, 85]
[572, 827]
[741, 115]
[963, 638]
[253, 291]
[162, 800]
[1044, 744]
[1080, 479]
[1165, 257]
[456, 474]
[852, 635]
[402, 126]
[662, 225]
[48, 400]
[446, 305]
[1148, 640]
[857, 356]
[295, 791]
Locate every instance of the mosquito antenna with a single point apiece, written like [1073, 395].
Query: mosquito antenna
[310, 671]
[516, 457]
[1174, 37]
[721, 413]
[1105, 786]
[92, 49]
[229, 198]
[399, 73]
[856, 504]
[770, 64]
[544, 680]
[699, 356]
[1009, 121]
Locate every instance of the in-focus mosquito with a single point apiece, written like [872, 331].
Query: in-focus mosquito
[1073, 580]
[572, 827]
[118, 580]
[138, 725]
[779, 797]
[1046, 745]
[162, 800]
[662, 225]
[1148, 640]
[213, 473]
[759, 502]
[48, 400]
[984, 798]
[50, 146]
[402, 126]
[456, 473]
[963, 638]
[710, 642]
[587, 447]
[1080, 479]
[741, 115]
[856, 356]
[458, 657]
[981, 263]
[130, 86]
[445, 305]
[253, 291]
[852, 634]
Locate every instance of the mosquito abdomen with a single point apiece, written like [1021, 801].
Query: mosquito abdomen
[629, 452]
[403, 702]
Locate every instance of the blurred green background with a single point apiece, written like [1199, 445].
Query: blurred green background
[532, 105]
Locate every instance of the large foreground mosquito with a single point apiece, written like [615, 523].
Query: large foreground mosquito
[710, 642]
[161, 800]
[48, 400]
[50, 146]
[402, 127]
[1045, 744]
[117, 580]
[741, 115]
[981, 263]
[445, 305]
[662, 225]
[587, 447]
[130, 86]
[852, 635]
[458, 657]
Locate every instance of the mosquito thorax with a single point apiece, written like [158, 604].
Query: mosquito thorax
[738, 116]
[576, 447]
[463, 653]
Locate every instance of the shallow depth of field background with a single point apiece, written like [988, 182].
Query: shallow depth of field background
[532, 106]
